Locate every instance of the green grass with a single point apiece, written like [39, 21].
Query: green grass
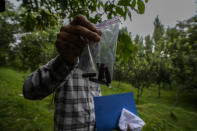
[19, 114]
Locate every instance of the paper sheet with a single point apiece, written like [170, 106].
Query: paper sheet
[128, 118]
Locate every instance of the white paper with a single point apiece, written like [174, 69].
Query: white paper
[128, 118]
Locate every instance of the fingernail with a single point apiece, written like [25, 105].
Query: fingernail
[97, 39]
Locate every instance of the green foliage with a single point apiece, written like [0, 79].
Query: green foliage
[148, 44]
[124, 2]
[37, 48]
[138, 40]
[134, 67]
[168, 58]
[133, 4]
[158, 30]
[44, 13]
[37, 20]
[183, 53]
[8, 28]
[125, 46]
[141, 6]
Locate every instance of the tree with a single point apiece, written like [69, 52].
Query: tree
[37, 48]
[148, 44]
[131, 65]
[8, 28]
[140, 73]
[158, 37]
[184, 55]
[125, 50]
[182, 41]
[43, 13]
[158, 30]
[125, 45]
[138, 41]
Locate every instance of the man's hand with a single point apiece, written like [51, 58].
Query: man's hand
[73, 38]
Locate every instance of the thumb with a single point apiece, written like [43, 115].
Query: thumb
[128, 127]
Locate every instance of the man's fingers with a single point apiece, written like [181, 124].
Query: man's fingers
[67, 48]
[71, 39]
[83, 21]
[64, 45]
[81, 31]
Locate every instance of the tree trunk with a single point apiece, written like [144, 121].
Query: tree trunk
[174, 105]
[159, 91]
[138, 95]
[141, 90]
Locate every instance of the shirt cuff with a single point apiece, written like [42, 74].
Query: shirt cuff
[61, 68]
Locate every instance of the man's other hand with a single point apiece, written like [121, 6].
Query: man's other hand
[73, 37]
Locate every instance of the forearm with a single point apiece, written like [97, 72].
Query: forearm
[45, 79]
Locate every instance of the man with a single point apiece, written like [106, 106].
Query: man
[74, 108]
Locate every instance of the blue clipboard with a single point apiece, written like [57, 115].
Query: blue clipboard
[108, 110]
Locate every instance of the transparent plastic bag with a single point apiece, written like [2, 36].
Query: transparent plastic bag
[97, 59]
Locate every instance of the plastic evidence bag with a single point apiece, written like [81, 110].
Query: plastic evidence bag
[97, 59]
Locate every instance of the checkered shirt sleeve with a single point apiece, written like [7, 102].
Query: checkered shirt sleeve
[46, 79]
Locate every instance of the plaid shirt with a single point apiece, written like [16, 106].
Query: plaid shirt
[74, 107]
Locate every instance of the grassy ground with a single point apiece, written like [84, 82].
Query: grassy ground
[18, 114]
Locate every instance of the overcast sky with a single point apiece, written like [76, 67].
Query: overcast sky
[169, 12]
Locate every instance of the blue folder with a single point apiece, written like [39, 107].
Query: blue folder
[108, 110]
